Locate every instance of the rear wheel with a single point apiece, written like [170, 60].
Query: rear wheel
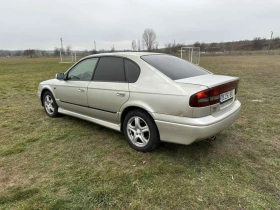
[141, 131]
[50, 105]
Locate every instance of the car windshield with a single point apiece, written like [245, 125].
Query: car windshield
[173, 67]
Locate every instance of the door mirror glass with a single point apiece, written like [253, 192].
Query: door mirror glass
[59, 76]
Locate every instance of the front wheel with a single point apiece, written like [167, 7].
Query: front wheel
[50, 105]
[141, 131]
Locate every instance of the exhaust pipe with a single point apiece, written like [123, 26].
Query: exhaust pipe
[213, 138]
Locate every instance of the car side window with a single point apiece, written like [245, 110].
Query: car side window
[83, 71]
[110, 69]
[132, 70]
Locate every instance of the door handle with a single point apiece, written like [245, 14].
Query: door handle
[81, 90]
[121, 94]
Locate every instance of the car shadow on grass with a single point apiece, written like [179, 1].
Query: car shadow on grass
[194, 150]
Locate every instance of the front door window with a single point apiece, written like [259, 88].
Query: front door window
[83, 71]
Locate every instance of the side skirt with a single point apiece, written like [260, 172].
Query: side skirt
[91, 119]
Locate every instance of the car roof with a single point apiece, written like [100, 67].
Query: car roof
[123, 54]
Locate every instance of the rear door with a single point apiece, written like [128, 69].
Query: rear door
[72, 92]
[109, 89]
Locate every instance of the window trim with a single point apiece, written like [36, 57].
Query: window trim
[114, 56]
[72, 67]
[94, 70]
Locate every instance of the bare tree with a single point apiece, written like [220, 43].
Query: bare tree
[29, 52]
[68, 50]
[85, 52]
[56, 51]
[5, 53]
[197, 44]
[93, 51]
[18, 53]
[258, 43]
[133, 45]
[173, 48]
[44, 53]
[156, 47]
[113, 49]
[149, 38]
[168, 48]
[202, 46]
[276, 42]
[139, 45]
[213, 44]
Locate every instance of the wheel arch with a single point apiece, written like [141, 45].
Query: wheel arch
[45, 89]
[130, 108]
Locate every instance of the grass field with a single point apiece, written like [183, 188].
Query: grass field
[67, 163]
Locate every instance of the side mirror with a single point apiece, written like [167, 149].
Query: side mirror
[59, 76]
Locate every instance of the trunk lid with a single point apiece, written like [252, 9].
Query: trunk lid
[220, 95]
[209, 80]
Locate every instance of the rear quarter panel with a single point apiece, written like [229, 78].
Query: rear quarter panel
[156, 93]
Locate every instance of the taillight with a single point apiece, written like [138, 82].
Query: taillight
[212, 96]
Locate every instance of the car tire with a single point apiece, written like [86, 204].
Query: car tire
[141, 131]
[49, 104]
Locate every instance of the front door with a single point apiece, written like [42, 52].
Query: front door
[72, 92]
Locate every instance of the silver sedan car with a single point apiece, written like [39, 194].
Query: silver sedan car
[149, 97]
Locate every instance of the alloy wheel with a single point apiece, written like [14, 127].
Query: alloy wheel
[138, 131]
[49, 105]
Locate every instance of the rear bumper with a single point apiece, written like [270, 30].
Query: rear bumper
[183, 130]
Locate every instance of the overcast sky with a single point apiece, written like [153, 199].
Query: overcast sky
[39, 24]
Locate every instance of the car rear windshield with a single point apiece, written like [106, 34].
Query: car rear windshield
[173, 67]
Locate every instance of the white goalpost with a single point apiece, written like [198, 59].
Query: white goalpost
[191, 54]
[67, 56]
[72, 58]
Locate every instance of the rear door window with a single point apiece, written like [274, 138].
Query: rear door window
[110, 69]
[173, 67]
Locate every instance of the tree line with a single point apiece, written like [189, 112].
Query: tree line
[257, 43]
[149, 43]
